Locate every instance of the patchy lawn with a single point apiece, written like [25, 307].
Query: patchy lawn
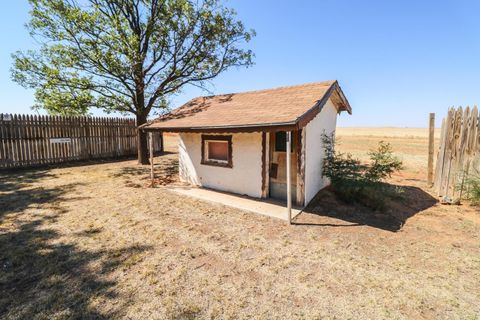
[92, 241]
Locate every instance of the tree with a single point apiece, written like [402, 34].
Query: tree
[354, 181]
[127, 56]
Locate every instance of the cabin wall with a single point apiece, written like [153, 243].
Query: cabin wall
[324, 122]
[245, 177]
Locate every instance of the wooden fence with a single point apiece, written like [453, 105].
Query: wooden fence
[459, 152]
[33, 140]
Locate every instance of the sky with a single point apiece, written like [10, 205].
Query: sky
[396, 61]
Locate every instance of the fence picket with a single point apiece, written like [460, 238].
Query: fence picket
[3, 153]
[32, 140]
[459, 148]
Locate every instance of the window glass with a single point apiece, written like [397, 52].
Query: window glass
[217, 150]
[281, 142]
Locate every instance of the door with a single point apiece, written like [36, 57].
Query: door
[278, 165]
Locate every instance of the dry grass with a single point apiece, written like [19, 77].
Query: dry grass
[409, 144]
[93, 242]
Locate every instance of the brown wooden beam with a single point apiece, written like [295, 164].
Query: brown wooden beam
[264, 166]
[290, 127]
[300, 154]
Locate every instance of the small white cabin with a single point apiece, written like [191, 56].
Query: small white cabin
[238, 142]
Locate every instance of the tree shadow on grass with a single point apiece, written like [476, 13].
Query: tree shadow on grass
[19, 192]
[72, 163]
[15, 180]
[165, 170]
[49, 280]
[398, 210]
[41, 275]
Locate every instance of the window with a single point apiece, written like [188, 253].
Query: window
[281, 142]
[217, 150]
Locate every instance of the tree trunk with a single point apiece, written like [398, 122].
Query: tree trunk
[142, 145]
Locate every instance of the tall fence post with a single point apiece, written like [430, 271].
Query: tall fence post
[459, 145]
[431, 144]
[152, 174]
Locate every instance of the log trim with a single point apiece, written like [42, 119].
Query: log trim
[264, 165]
[300, 153]
[227, 138]
[260, 128]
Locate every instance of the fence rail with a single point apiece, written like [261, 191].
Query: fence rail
[459, 152]
[33, 140]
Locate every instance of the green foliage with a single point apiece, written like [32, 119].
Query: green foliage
[126, 55]
[357, 182]
[62, 102]
[383, 164]
[472, 189]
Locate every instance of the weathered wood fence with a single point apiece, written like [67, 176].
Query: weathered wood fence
[33, 140]
[459, 151]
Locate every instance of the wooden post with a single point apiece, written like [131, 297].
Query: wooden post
[300, 167]
[162, 147]
[152, 175]
[264, 165]
[289, 177]
[464, 175]
[431, 143]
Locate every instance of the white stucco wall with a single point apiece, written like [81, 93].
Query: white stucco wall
[245, 177]
[324, 122]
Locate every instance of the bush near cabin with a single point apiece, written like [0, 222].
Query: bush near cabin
[353, 181]
[472, 185]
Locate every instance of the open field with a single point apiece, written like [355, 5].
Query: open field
[409, 144]
[94, 241]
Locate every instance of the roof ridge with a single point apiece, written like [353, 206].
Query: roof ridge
[329, 82]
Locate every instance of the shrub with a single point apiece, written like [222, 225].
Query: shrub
[353, 181]
[472, 189]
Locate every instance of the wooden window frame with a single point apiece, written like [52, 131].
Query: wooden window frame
[228, 139]
[292, 143]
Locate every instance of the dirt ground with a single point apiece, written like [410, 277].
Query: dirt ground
[93, 241]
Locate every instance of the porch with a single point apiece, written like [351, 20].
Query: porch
[267, 207]
[279, 176]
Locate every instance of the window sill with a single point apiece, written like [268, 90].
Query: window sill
[216, 164]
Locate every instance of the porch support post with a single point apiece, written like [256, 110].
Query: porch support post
[289, 177]
[152, 175]
[264, 166]
[162, 146]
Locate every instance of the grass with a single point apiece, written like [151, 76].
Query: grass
[93, 241]
[410, 144]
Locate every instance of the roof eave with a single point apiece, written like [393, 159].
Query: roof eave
[341, 105]
[346, 105]
[279, 126]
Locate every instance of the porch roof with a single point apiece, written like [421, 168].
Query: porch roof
[284, 108]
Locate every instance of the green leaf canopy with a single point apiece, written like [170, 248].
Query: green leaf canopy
[126, 55]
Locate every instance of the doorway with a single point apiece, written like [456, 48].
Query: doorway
[278, 165]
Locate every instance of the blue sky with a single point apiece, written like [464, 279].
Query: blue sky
[395, 60]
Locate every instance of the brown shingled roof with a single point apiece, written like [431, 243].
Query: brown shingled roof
[273, 109]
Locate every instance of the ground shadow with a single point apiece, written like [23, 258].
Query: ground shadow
[17, 193]
[73, 163]
[41, 274]
[18, 190]
[14, 180]
[165, 171]
[46, 279]
[409, 202]
[79, 163]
